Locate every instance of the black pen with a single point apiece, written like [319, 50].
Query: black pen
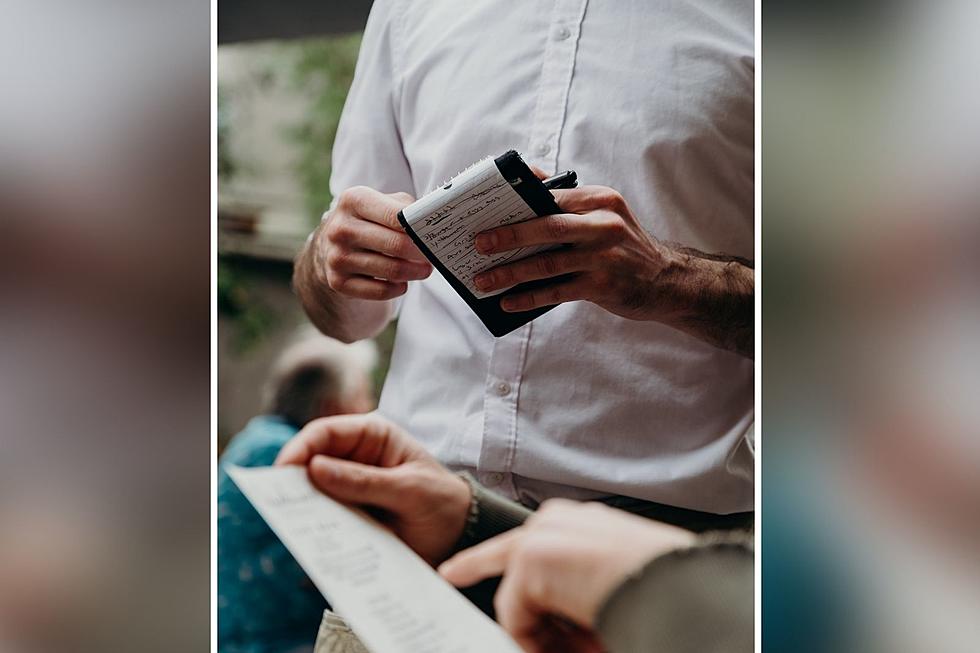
[567, 179]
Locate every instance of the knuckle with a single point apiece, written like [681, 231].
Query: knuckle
[556, 295]
[396, 269]
[533, 552]
[396, 245]
[390, 215]
[506, 236]
[348, 200]
[518, 302]
[336, 281]
[411, 485]
[360, 481]
[376, 291]
[602, 282]
[612, 198]
[557, 227]
[339, 230]
[337, 258]
[617, 227]
[549, 265]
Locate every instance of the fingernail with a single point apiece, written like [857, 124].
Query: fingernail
[508, 304]
[484, 281]
[486, 242]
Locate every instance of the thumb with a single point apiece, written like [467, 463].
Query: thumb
[356, 483]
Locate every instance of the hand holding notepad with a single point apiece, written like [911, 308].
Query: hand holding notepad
[444, 224]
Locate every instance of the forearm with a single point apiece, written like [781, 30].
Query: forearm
[345, 318]
[694, 599]
[490, 515]
[708, 296]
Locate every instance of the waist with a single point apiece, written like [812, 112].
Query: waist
[692, 520]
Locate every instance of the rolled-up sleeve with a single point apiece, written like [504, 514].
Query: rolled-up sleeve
[695, 599]
[368, 148]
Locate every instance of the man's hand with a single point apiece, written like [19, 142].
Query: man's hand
[367, 461]
[613, 262]
[359, 252]
[563, 563]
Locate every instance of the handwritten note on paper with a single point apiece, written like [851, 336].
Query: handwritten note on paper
[389, 596]
[449, 218]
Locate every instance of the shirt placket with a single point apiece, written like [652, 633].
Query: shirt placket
[556, 80]
[505, 371]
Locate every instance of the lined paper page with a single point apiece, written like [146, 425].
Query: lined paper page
[392, 599]
[448, 219]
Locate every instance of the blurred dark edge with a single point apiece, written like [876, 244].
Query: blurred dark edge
[253, 20]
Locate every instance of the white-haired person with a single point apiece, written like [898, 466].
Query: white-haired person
[266, 603]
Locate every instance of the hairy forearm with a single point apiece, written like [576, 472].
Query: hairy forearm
[708, 296]
[345, 318]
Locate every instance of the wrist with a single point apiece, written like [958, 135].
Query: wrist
[672, 270]
[488, 514]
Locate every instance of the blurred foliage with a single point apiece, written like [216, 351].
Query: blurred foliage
[226, 165]
[323, 71]
[237, 300]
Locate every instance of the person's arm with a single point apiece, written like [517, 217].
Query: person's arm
[615, 582]
[368, 461]
[699, 598]
[708, 296]
[613, 262]
[354, 265]
[490, 515]
[358, 259]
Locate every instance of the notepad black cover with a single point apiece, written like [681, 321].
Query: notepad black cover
[542, 202]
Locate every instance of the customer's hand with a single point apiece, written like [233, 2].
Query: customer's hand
[563, 562]
[367, 461]
[361, 250]
[612, 260]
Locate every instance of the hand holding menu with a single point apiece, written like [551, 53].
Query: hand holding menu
[390, 597]
[444, 224]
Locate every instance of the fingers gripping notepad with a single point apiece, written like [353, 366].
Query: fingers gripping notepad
[392, 599]
[444, 224]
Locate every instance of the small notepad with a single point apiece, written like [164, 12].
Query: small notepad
[444, 224]
[448, 220]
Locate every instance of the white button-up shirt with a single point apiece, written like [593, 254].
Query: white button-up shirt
[654, 99]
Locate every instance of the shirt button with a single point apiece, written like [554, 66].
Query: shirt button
[493, 478]
[542, 149]
[562, 33]
[503, 389]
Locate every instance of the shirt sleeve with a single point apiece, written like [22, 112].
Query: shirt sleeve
[695, 599]
[368, 148]
[490, 515]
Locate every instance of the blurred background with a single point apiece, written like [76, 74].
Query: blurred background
[871, 326]
[871, 307]
[283, 74]
[104, 326]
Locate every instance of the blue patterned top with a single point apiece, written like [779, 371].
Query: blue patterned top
[266, 603]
